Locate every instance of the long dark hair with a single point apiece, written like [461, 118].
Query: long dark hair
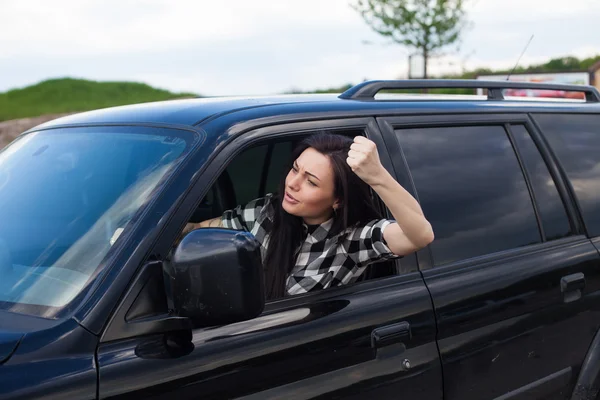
[355, 206]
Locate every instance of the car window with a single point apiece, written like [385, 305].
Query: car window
[550, 206]
[575, 139]
[471, 188]
[258, 170]
[253, 173]
[66, 195]
[279, 158]
[246, 172]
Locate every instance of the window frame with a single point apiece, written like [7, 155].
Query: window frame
[572, 204]
[562, 194]
[389, 125]
[253, 136]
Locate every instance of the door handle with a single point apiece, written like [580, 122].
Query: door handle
[572, 286]
[390, 334]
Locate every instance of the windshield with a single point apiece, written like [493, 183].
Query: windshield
[65, 198]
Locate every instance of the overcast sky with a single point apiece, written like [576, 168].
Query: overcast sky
[240, 47]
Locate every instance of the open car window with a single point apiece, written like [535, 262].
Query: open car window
[252, 174]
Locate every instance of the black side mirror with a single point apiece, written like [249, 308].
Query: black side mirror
[215, 277]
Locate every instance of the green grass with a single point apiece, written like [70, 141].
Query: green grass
[71, 95]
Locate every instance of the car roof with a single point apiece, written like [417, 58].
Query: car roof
[195, 112]
[182, 112]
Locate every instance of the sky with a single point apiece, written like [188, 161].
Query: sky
[257, 47]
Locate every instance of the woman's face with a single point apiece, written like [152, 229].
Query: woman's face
[309, 188]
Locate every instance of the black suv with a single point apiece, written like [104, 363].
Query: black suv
[101, 297]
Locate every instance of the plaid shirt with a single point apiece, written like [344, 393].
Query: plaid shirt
[323, 260]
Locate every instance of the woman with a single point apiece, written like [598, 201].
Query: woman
[323, 230]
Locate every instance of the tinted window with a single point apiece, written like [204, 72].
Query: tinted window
[280, 158]
[576, 141]
[471, 189]
[245, 172]
[550, 206]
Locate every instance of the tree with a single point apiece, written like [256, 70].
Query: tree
[427, 25]
[562, 64]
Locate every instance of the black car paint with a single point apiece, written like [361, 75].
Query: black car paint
[54, 361]
[323, 347]
[498, 316]
[492, 316]
[506, 324]
[8, 344]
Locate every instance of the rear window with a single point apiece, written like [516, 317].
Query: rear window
[472, 190]
[550, 206]
[575, 139]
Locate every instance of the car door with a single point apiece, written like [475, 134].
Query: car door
[372, 339]
[513, 278]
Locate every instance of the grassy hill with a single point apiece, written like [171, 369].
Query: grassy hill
[70, 95]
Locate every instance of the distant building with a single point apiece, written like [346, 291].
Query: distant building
[582, 77]
[595, 75]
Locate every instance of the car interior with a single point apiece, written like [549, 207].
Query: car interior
[254, 173]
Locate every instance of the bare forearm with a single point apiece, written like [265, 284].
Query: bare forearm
[209, 223]
[406, 210]
[411, 230]
[400, 194]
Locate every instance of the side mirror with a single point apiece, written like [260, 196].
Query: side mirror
[215, 277]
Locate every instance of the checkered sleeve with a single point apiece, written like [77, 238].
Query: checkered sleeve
[366, 244]
[243, 217]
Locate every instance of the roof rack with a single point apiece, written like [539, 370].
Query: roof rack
[367, 90]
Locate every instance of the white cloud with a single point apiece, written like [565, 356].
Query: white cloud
[119, 26]
[108, 27]
[526, 10]
[262, 46]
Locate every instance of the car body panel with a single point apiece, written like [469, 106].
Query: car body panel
[52, 363]
[322, 348]
[483, 328]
